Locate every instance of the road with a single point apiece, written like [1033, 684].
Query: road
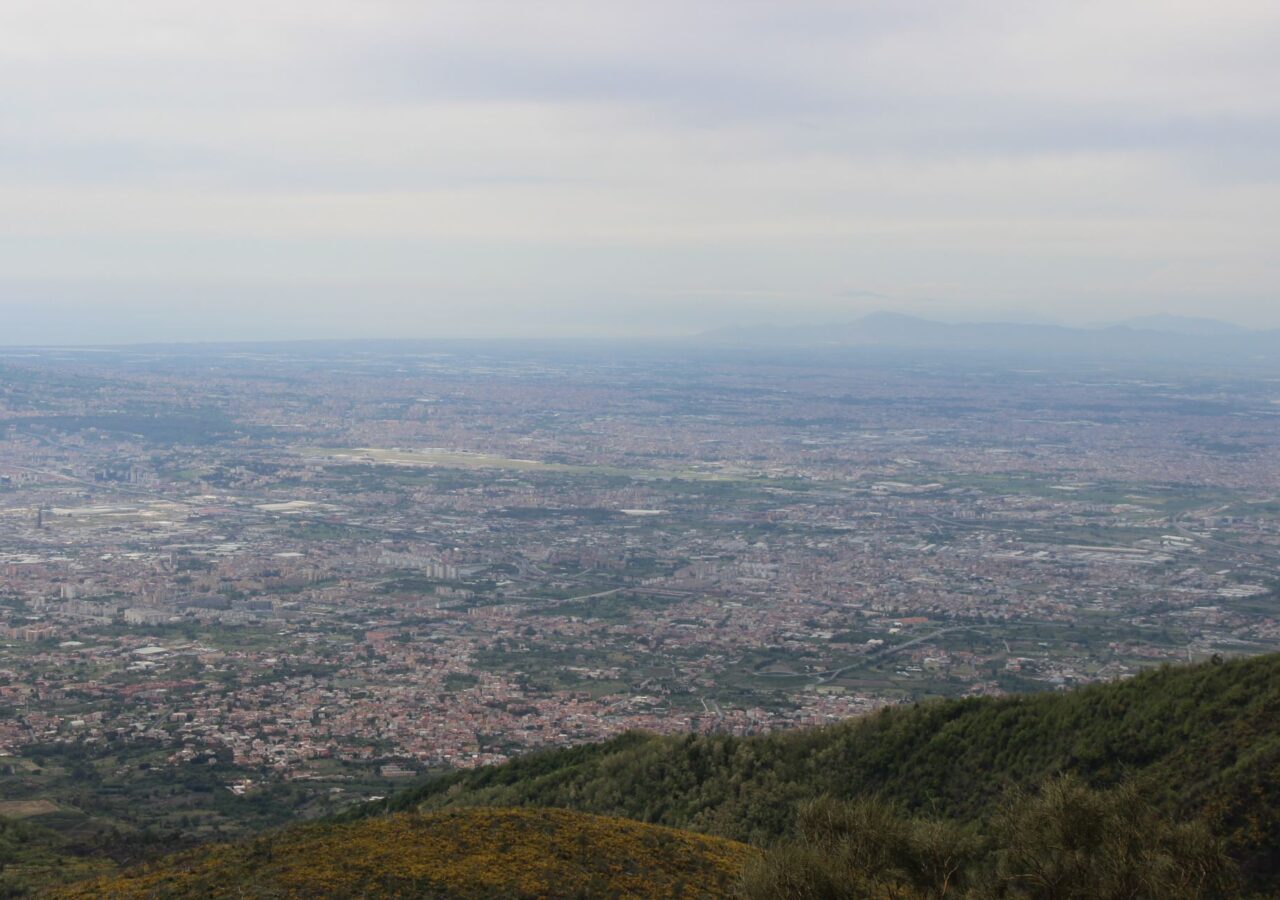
[1214, 542]
[828, 677]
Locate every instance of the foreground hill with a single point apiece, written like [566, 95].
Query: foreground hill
[1126, 790]
[479, 853]
[1201, 741]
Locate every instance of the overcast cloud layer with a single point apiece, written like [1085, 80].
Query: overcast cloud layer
[195, 170]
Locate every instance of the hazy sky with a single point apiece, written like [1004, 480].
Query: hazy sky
[272, 168]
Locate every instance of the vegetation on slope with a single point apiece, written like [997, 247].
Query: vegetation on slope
[1067, 841]
[32, 854]
[1199, 741]
[463, 854]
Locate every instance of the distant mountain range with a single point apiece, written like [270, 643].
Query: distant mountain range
[1188, 325]
[1149, 337]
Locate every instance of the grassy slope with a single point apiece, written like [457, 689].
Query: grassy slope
[458, 854]
[1203, 740]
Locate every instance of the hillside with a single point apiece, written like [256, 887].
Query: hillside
[1177, 760]
[1202, 740]
[479, 853]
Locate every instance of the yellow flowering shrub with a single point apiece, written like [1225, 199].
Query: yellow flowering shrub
[473, 853]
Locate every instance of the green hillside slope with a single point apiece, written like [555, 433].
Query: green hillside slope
[483, 853]
[1202, 740]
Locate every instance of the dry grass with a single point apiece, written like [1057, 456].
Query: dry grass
[24, 809]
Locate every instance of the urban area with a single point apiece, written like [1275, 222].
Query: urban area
[252, 581]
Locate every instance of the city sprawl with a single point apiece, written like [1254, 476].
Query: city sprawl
[241, 583]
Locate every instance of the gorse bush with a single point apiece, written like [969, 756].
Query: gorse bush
[483, 854]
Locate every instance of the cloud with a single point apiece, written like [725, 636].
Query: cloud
[600, 156]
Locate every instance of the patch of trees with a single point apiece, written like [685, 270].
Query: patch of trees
[1064, 842]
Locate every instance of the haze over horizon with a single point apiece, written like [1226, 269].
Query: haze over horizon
[273, 170]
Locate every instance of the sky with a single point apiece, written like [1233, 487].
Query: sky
[267, 169]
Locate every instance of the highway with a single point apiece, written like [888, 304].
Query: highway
[828, 677]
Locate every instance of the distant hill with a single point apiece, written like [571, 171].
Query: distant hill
[464, 854]
[1188, 325]
[1164, 338]
[1202, 741]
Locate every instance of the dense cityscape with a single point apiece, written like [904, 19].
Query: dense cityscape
[315, 571]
